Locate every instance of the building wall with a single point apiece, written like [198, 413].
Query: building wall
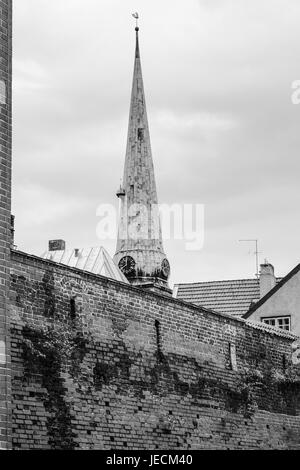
[103, 365]
[284, 302]
[5, 212]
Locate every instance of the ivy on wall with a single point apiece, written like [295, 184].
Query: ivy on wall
[49, 350]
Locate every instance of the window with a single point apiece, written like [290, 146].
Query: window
[284, 323]
[141, 134]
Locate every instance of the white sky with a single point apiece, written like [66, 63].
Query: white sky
[224, 132]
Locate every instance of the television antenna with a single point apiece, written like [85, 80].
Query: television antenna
[256, 253]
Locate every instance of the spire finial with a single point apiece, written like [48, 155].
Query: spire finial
[136, 16]
[137, 49]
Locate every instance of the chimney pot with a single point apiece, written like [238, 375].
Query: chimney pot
[57, 245]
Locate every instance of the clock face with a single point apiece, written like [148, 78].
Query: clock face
[165, 268]
[127, 265]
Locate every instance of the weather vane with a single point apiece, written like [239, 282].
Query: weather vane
[136, 16]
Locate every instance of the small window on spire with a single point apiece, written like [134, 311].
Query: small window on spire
[141, 134]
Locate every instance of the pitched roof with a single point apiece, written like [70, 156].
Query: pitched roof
[95, 260]
[278, 286]
[233, 297]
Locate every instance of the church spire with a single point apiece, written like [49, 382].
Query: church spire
[140, 253]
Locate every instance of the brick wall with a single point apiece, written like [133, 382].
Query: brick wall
[5, 201]
[98, 364]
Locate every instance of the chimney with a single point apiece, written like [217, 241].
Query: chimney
[57, 245]
[267, 279]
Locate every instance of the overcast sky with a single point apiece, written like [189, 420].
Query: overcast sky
[224, 132]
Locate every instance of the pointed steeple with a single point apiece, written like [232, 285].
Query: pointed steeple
[140, 253]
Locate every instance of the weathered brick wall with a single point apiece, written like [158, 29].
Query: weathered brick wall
[99, 364]
[5, 201]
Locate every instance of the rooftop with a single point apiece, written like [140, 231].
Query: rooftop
[233, 297]
[94, 260]
[280, 283]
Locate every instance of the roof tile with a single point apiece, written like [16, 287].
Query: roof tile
[233, 296]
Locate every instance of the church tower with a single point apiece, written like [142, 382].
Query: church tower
[140, 254]
[5, 217]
